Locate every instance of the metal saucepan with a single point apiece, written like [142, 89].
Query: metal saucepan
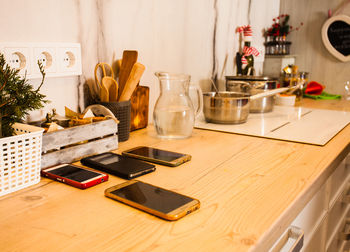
[254, 85]
[231, 107]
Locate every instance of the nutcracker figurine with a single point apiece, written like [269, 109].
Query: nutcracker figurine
[245, 59]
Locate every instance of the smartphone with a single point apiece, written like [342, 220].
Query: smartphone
[115, 164]
[160, 202]
[74, 175]
[158, 156]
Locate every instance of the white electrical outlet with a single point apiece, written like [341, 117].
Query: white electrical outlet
[58, 59]
[18, 58]
[70, 59]
[47, 57]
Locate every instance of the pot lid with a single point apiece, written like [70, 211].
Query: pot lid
[250, 78]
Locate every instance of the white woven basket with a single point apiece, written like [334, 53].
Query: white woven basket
[20, 158]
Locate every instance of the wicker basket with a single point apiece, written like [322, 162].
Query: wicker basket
[20, 158]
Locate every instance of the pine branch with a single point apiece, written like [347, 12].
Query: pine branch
[43, 74]
[4, 103]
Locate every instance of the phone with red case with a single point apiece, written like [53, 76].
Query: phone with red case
[74, 175]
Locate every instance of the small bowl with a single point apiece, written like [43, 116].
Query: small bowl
[285, 100]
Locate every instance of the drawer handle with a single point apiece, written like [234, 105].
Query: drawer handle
[293, 233]
[345, 235]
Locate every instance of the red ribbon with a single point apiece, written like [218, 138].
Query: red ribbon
[247, 51]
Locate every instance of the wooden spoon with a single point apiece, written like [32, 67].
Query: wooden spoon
[134, 78]
[112, 86]
[128, 61]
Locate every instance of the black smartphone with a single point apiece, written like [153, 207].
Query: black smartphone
[160, 202]
[118, 165]
[158, 156]
[74, 175]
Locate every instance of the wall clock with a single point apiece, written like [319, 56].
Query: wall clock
[336, 37]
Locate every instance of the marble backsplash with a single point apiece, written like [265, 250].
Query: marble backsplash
[187, 36]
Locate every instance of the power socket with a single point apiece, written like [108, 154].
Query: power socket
[18, 58]
[47, 57]
[70, 59]
[58, 59]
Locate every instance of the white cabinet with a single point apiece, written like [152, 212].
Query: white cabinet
[327, 215]
[339, 207]
[312, 217]
[316, 240]
[332, 199]
[339, 241]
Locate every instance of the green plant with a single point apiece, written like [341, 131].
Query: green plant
[17, 97]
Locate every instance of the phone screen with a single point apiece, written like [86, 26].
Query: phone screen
[74, 173]
[152, 197]
[156, 154]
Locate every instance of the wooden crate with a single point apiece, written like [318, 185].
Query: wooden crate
[71, 144]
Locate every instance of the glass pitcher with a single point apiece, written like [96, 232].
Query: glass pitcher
[174, 114]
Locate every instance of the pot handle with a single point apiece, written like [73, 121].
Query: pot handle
[197, 101]
[268, 93]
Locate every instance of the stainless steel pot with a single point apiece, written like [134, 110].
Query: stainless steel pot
[226, 107]
[253, 85]
[231, 107]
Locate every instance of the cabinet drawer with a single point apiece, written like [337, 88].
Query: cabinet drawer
[337, 179]
[317, 241]
[313, 214]
[337, 213]
[340, 239]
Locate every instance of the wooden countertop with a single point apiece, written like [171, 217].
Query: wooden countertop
[250, 190]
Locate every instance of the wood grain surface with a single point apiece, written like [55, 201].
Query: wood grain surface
[139, 108]
[250, 190]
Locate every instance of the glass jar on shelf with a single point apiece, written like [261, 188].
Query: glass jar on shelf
[277, 45]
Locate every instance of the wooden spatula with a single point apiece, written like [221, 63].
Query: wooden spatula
[134, 78]
[112, 87]
[128, 61]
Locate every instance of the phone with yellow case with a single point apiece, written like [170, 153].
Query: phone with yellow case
[158, 201]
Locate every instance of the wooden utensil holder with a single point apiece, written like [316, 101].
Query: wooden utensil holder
[121, 110]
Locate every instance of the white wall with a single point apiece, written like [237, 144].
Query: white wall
[169, 35]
